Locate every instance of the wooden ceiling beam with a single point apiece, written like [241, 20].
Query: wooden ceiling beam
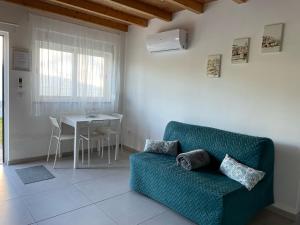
[192, 5]
[36, 4]
[240, 1]
[106, 11]
[145, 8]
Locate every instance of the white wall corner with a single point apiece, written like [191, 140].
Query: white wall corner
[292, 212]
[298, 199]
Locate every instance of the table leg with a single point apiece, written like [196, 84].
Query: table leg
[76, 145]
[117, 146]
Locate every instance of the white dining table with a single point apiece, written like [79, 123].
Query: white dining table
[79, 121]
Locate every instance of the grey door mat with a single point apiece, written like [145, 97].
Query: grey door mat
[34, 174]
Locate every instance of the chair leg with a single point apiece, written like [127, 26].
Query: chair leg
[59, 150]
[89, 153]
[102, 147]
[82, 150]
[121, 142]
[117, 146]
[56, 153]
[49, 149]
[98, 147]
[108, 145]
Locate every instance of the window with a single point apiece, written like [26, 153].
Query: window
[55, 73]
[67, 74]
[75, 69]
[90, 76]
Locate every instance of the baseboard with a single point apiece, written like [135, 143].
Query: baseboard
[278, 210]
[129, 149]
[34, 159]
[44, 157]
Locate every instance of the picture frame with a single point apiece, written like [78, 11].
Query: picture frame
[240, 51]
[272, 38]
[214, 65]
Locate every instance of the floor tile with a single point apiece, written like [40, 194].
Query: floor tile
[48, 204]
[168, 218]
[98, 168]
[7, 189]
[130, 208]
[105, 187]
[267, 217]
[79, 175]
[38, 187]
[88, 215]
[14, 212]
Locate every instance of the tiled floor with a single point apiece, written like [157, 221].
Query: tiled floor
[98, 196]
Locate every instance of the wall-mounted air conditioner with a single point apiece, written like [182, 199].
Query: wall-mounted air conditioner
[167, 41]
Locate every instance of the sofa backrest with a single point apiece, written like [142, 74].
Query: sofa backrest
[255, 152]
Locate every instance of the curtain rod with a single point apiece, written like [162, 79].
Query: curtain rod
[10, 24]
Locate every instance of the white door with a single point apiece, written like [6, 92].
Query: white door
[4, 84]
[1, 97]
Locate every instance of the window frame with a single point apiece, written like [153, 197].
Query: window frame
[108, 60]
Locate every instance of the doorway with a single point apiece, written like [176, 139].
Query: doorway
[4, 97]
[1, 98]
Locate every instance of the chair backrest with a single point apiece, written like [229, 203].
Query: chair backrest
[118, 123]
[54, 122]
[97, 123]
[94, 125]
[56, 129]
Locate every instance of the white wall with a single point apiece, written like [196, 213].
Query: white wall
[259, 98]
[29, 135]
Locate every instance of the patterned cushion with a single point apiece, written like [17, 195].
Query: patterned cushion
[241, 173]
[164, 147]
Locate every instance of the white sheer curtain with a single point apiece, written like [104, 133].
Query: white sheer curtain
[75, 69]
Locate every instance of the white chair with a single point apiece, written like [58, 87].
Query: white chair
[115, 129]
[56, 133]
[92, 135]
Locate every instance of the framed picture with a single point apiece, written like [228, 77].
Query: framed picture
[240, 50]
[214, 66]
[21, 59]
[272, 38]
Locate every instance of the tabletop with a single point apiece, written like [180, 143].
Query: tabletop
[74, 119]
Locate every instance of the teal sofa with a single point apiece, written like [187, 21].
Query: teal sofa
[206, 196]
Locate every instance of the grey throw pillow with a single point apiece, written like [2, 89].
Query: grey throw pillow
[193, 159]
[163, 147]
[241, 173]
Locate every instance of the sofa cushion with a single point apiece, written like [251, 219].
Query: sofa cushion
[246, 149]
[162, 147]
[202, 179]
[245, 175]
[158, 177]
[193, 160]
